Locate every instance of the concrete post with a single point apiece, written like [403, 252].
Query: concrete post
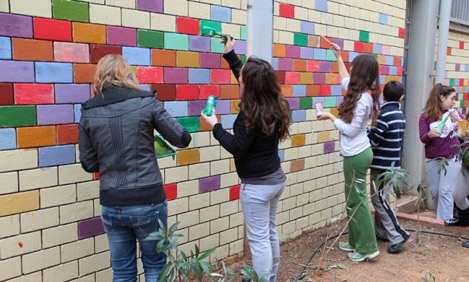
[443, 31]
[260, 26]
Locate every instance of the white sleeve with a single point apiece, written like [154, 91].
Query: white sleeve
[360, 114]
[345, 81]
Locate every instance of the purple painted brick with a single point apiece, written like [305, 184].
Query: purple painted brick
[319, 78]
[121, 36]
[293, 51]
[285, 64]
[196, 107]
[457, 67]
[72, 93]
[150, 5]
[339, 42]
[209, 60]
[55, 114]
[339, 100]
[325, 66]
[14, 71]
[209, 184]
[294, 103]
[240, 47]
[223, 107]
[199, 43]
[90, 227]
[17, 26]
[175, 75]
[329, 147]
[307, 53]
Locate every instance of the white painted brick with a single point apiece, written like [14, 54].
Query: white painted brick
[93, 1]
[4, 6]
[105, 15]
[209, 242]
[134, 18]
[214, 141]
[210, 213]
[78, 249]
[188, 219]
[178, 206]
[188, 188]
[38, 178]
[176, 7]
[285, 37]
[176, 174]
[220, 253]
[75, 212]
[199, 231]
[239, 16]
[10, 268]
[199, 170]
[41, 260]
[228, 236]
[94, 263]
[88, 190]
[34, 277]
[232, 29]
[296, 189]
[9, 182]
[166, 162]
[219, 196]
[10, 225]
[280, 23]
[310, 185]
[59, 235]
[224, 154]
[63, 272]
[294, 128]
[220, 167]
[236, 247]
[41, 219]
[304, 151]
[236, 219]
[320, 29]
[291, 154]
[185, 237]
[326, 19]
[39, 8]
[21, 244]
[199, 201]
[18, 159]
[209, 153]
[229, 208]
[216, 2]
[332, 31]
[229, 179]
[121, 3]
[203, 138]
[219, 225]
[106, 275]
[97, 207]
[231, 3]
[199, 10]
[73, 173]
[101, 243]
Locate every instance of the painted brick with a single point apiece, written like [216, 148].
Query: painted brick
[5, 48]
[150, 5]
[307, 27]
[63, 272]
[287, 10]
[299, 90]
[54, 72]
[40, 219]
[199, 76]
[94, 263]
[185, 157]
[240, 47]
[177, 108]
[298, 115]
[229, 92]
[299, 65]
[54, 114]
[191, 124]
[89, 33]
[298, 140]
[208, 60]
[10, 268]
[188, 25]
[176, 7]
[150, 74]
[196, 107]
[57, 155]
[7, 138]
[199, 43]
[307, 53]
[36, 136]
[84, 73]
[99, 51]
[41, 260]
[67, 134]
[13, 71]
[135, 18]
[187, 59]
[294, 103]
[297, 165]
[151, 39]
[24, 159]
[285, 64]
[221, 14]
[165, 58]
[72, 93]
[234, 106]
[13, 116]
[187, 92]
[70, 10]
[306, 78]
[90, 228]
[292, 78]
[6, 94]
[34, 93]
[312, 90]
[234, 192]
[209, 184]
[165, 92]
[71, 52]
[18, 203]
[207, 90]
[300, 39]
[220, 76]
[105, 15]
[15, 25]
[32, 50]
[175, 75]
[176, 41]
[216, 47]
[228, 120]
[137, 56]
[324, 136]
[279, 50]
[287, 90]
[401, 33]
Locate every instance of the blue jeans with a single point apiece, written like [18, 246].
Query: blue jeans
[125, 224]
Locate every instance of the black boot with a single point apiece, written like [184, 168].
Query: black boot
[462, 218]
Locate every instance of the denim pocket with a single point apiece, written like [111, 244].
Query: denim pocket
[146, 224]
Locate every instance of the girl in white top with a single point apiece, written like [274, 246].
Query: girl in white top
[361, 103]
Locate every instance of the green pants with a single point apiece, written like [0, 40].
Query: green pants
[361, 233]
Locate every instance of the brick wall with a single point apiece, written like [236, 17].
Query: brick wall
[457, 67]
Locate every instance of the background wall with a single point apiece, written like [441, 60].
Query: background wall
[50, 228]
[457, 67]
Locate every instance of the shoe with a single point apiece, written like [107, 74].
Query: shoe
[381, 239]
[345, 246]
[465, 244]
[456, 222]
[356, 257]
[395, 248]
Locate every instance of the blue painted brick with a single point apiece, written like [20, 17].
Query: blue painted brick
[299, 90]
[383, 18]
[77, 113]
[298, 115]
[227, 121]
[7, 138]
[221, 14]
[352, 55]
[275, 63]
[54, 72]
[307, 27]
[392, 70]
[381, 79]
[377, 48]
[319, 54]
[146, 87]
[307, 53]
[223, 107]
[5, 48]
[281, 155]
[321, 5]
[200, 76]
[389, 60]
[318, 100]
[177, 108]
[137, 56]
[57, 155]
[336, 90]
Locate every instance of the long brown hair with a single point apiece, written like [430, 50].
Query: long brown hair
[262, 100]
[113, 71]
[433, 108]
[364, 76]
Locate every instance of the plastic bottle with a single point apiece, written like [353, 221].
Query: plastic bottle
[441, 126]
[211, 103]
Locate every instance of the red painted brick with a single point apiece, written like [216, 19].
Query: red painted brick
[150, 74]
[99, 51]
[448, 51]
[401, 33]
[397, 61]
[52, 29]
[292, 78]
[165, 92]
[96, 175]
[67, 134]
[324, 44]
[287, 11]
[188, 26]
[234, 192]
[313, 66]
[280, 76]
[461, 44]
[187, 92]
[400, 70]
[325, 90]
[27, 94]
[358, 47]
[6, 94]
[207, 90]
[171, 191]
[220, 76]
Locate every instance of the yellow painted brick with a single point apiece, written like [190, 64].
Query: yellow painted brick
[232, 165]
[163, 22]
[58, 195]
[75, 212]
[220, 167]
[9, 226]
[63, 272]
[188, 59]
[40, 8]
[18, 159]
[19, 202]
[38, 178]
[101, 243]
[234, 106]
[40, 219]
[9, 182]
[121, 3]
[94, 263]
[105, 14]
[185, 157]
[78, 249]
[239, 16]
[88, 190]
[59, 235]
[199, 170]
[199, 10]
[10, 268]
[298, 140]
[176, 7]
[188, 219]
[21, 244]
[199, 231]
[135, 18]
[323, 136]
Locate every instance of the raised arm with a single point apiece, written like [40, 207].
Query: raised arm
[342, 69]
[230, 56]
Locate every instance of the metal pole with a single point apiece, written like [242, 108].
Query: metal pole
[443, 31]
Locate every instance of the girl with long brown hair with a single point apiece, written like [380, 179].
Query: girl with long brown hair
[263, 121]
[361, 103]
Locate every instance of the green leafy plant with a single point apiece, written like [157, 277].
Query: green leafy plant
[421, 197]
[429, 277]
[250, 273]
[394, 177]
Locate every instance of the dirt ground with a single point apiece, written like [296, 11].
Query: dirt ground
[442, 256]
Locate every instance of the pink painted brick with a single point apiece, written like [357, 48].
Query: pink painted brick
[313, 66]
[209, 60]
[292, 77]
[30, 94]
[150, 74]
[121, 36]
[71, 52]
[285, 64]
[220, 76]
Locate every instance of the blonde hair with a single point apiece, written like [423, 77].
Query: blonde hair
[113, 71]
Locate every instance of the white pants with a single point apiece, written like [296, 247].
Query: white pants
[259, 204]
[461, 191]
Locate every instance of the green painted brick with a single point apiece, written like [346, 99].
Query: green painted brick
[364, 36]
[374, 56]
[243, 58]
[330, 55]
[151, 39]
[70, 10]
[214, 25]
[217, 47]
[300, 39]
[191, 124]
[12, 116]
[176, 41]
[460, 96]
[244, 32]
[306, 103]
[330, 102]
[451, 82]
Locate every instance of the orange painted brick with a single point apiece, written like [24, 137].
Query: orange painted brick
[287, 90]
[233, 79]
[313, 41]
[345, 55]
[188, 59]
[84, 73]
[32, 50]
[37, 136]
[324, 44]
[67, 134]
[204, 126]
[234, 106]
[335, 67]
[306, 78]
[229, 92]
[185, 157]
[297, 165]
[280, 50]
[312, 90]
[381, 59]
[19, 202]
[324, 136]
[164, 58]
[224, 64]
[297, 140]
[299, 65]
[331, 78]
[89, 33]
